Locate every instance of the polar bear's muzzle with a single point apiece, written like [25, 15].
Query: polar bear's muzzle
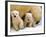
[14, 16]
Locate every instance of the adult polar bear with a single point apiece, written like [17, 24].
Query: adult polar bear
[33, 16]
[36, 14]
[16, 20]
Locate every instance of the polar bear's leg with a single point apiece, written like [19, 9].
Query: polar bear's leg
[21, 26]
[30, 24]
[35, 23]
[25, 23]
[16, 27]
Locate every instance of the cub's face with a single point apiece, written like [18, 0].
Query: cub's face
[28, 17]
[14, 13]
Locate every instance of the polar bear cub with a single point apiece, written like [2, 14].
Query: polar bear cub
[16, 20]
[28, 19]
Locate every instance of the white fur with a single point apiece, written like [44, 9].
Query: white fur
[29, 19]
[17, 21]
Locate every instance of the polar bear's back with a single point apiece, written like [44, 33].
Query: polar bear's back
[37, 12]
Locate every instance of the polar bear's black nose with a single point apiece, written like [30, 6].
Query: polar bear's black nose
[14, 16]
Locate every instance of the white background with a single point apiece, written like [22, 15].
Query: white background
[2, 19]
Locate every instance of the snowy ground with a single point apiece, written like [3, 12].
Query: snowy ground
[29, 30]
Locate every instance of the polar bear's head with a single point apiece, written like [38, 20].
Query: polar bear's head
[28, 17]
[15, 13]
